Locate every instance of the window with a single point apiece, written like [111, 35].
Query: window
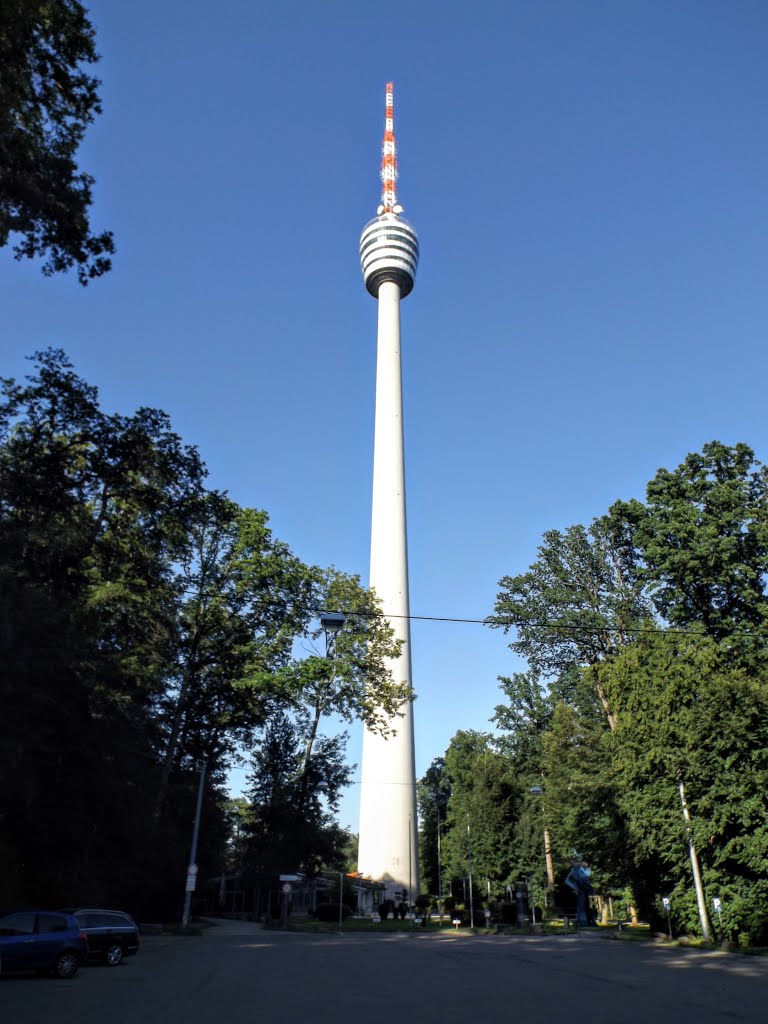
[94, 920]
[52, 923]
[117, 921]
[17, 924]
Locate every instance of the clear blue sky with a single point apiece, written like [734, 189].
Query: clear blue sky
[590, 186]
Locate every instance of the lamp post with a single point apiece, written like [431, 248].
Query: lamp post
[192, 869]
[332, 623]
[539, 792]
[341, 900]
[469, 862]
[439, 872]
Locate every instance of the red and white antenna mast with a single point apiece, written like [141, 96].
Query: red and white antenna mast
[389, 156]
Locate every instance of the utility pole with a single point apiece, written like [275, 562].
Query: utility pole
[192, 869]
[469, 855]
[697, 883]
[439, 871]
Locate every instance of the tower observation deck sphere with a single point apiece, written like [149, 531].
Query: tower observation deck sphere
[389, 251]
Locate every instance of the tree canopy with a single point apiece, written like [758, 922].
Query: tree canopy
[637, 737]
[47, 100]
[148, 626]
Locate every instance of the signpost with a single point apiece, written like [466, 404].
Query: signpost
[666, 904]
[191, 878]
[718, 908]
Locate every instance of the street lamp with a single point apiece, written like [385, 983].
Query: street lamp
[332, 623]
[539, 792]
[192, 869]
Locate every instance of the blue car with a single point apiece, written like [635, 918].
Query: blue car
[43, 941]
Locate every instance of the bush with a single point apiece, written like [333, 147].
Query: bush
[330, 911]
[385, 908]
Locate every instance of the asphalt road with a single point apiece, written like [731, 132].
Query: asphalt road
[237, 973]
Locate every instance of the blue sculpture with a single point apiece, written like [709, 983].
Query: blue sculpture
[578, 879]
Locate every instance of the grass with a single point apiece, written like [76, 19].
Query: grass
[641, 933]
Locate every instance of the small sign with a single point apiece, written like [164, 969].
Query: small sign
[287, 888]
[716, 904]
[665, 902]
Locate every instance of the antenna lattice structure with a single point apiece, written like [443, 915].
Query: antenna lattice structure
[389, 155]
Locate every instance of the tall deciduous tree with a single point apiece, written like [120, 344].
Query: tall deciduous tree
[244, 599]
[577, 605]
[287, 827]
[689, 714]
[482, 810]
[92, 511]
[47, 100]
[353, 679]
[700, 541]
[433, 792]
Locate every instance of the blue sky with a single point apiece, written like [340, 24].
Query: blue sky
[589, 183]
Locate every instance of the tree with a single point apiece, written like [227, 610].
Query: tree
[524, 719]
[287, 828]
[482, 809]
[47, 100]
[576, 606]
[433, 794]
[92, 519]
[700, 542]
[581, 797]
[355, 682]
[245, 599]
[690, 715]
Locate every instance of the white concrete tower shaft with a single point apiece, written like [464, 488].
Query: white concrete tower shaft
[389, 253]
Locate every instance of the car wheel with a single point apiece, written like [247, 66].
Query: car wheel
[66, 965]
[114, 954]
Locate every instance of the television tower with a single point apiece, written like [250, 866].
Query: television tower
[389, 254]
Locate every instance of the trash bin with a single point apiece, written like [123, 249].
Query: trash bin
[522, 907]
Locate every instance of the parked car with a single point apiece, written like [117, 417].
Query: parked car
[111, 934]
[43, 941]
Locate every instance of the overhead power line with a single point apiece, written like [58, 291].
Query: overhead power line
[497, 622]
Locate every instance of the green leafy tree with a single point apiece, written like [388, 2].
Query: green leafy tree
[244, 600]
[524, 721]
[287, 828]
[47, 101]
[433, 794]
[92, 519]
[581, 798]
[353, 680]
[690, 714]
[482, 810]
[576, 606]
[700, 541]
